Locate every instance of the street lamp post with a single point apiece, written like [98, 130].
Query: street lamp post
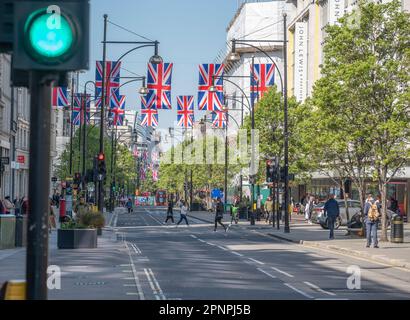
[155, 59]
[234, 56]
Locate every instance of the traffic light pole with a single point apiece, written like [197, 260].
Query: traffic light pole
[101, 181]
[285, 126]
[84, 142]
[253, 154]
[39, 181]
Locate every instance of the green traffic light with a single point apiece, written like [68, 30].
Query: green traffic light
[49, 39]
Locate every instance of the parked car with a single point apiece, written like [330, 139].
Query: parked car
[318, 216]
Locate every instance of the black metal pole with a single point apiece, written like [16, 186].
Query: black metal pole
[252, 154]
[285, 127]
[84, 141]
[71, 126]
[79, 134]
[101, 182]
[112, 172]
[191, 176]
[115, 164]
[39, 184]
[226, 164]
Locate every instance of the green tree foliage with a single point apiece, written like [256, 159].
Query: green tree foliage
[360, 119]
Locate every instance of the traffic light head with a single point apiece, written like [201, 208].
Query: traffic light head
[101, 157]
[51, 35]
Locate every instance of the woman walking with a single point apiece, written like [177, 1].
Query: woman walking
[184, 211]
[170, 211]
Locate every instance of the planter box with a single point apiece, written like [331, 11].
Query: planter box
[77, 238]
[7, 231]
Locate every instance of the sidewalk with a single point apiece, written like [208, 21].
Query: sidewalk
[313, 236]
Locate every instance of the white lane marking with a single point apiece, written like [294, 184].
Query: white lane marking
[157, 284]
[237, 253]
[299, 291]
[129, 278]
[202, 240]
[211, 244]
[132, 294]
[125, 265]
[268, 274]
[257, 261]
[282, 272]
[222, 248]
[127, 271]
[151, 216]
[327, 299]
[136, 249]
[319, 289]
[115, 220]
[193, 236]
[156, 289]
[129, 285]
[136, 279]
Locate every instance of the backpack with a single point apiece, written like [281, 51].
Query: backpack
[373, 214]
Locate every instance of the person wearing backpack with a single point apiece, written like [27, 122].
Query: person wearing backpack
[372, 217]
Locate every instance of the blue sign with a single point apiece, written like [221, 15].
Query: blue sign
[216, 193]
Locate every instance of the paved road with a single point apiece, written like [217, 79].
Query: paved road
[168, 262]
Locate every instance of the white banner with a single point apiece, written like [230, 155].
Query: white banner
[301, 37]
[336, 10]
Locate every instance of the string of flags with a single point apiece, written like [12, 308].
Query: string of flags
[159, 83]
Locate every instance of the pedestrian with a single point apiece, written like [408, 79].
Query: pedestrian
[269, 210]
[394, 205]
[219, 213]
[372, 218]
[183, 213]
[51, 218]
[170, 211]
[234, 213]
[8, 205]
[331, 209]
[129, 205]
[309, 209]
[24, 206]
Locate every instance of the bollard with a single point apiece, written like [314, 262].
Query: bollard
[397, 229]
[13, 290]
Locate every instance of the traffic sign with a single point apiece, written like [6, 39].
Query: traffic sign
[5, 160]
[54, 179]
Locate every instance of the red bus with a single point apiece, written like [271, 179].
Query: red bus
[161, 198]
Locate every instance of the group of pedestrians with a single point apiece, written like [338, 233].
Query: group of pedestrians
[17, 207]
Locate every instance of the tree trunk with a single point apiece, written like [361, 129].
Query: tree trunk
[383, 194]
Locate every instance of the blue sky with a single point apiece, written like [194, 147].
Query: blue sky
[190, 32]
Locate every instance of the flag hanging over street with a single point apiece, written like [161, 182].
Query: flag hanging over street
[155, 176]
[185, 112]
[112, 79]
[219, 119]
[59, 97]
[117, 111]
[210, 74]
[77, 114]
[148, 112]
[159, 84]
[262, 77]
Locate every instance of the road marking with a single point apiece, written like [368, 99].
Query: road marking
[127, 271]
[257, 261]
[129, 285]
[152, 217]
[282, 272]
[136, 279]
[195, 237]
[136, 249]
[129, 278]
[202, 240]
[299, 291]
[238, 254]
[125, 265]
[327, 299]
[318, 289]
[211, 244]
[222, 248]
[132, 294]
[153, 283]
[268, 274]
[115, 220]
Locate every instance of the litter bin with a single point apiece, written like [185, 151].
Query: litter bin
[21, 231]
[397, 229]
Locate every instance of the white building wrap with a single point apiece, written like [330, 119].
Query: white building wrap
[301, 44]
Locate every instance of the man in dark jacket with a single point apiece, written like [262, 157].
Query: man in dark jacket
[332, 211]
[219, 213]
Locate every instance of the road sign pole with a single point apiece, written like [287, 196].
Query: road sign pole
[39, 181]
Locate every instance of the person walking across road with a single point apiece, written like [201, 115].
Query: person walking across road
[184, 212]
[129, 205]
[331, 209]
[170, 211]
[269, 210]
[372, 218]
[219, 213]
[309, 209]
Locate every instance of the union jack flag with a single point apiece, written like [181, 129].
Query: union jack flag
[219, 119]
[185, 111]
[155, 175]
[143, 174]
[59, 97]
[262, 77]
[112, 79]
[159, 84]
[77, 114]
[210, 74]
[148, 112]
[117, 110]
